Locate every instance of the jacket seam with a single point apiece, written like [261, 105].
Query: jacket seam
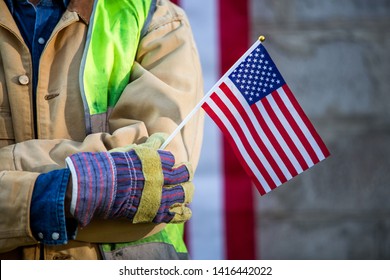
[177, 18]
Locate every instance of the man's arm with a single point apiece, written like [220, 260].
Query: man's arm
[165, 86]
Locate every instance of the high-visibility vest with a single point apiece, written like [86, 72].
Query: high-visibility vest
[115, 29]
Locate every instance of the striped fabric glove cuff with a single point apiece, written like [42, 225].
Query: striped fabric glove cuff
[142, 185]
[105, 185]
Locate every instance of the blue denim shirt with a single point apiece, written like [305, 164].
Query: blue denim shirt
[47, 215]
[36, 25]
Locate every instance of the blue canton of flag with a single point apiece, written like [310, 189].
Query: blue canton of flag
[256, 76]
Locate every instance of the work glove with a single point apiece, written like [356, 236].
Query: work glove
[137, 182]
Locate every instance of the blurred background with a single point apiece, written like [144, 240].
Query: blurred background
[335, 57]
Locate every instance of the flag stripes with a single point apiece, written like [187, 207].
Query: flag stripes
[266, 148]
[215, 112]
[314, 138]
[275, 137]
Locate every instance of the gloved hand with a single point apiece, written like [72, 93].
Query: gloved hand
[137, 182]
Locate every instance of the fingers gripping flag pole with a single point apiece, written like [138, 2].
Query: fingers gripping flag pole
[256, 111]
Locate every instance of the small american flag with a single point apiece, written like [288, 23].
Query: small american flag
[266, 127]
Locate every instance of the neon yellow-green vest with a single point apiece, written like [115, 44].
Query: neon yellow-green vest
[115, 29]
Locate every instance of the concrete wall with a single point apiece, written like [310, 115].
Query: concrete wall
[335, 56]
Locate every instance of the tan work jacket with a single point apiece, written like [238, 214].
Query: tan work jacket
[165, 85]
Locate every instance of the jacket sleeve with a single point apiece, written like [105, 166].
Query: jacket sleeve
[165, 85]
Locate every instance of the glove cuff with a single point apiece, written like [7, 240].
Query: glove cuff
[93, 185]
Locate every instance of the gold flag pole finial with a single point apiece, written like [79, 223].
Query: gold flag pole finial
[262, 38]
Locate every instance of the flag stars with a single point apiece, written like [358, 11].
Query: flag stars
[256, 76]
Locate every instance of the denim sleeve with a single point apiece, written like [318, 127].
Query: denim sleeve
[47, 212]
